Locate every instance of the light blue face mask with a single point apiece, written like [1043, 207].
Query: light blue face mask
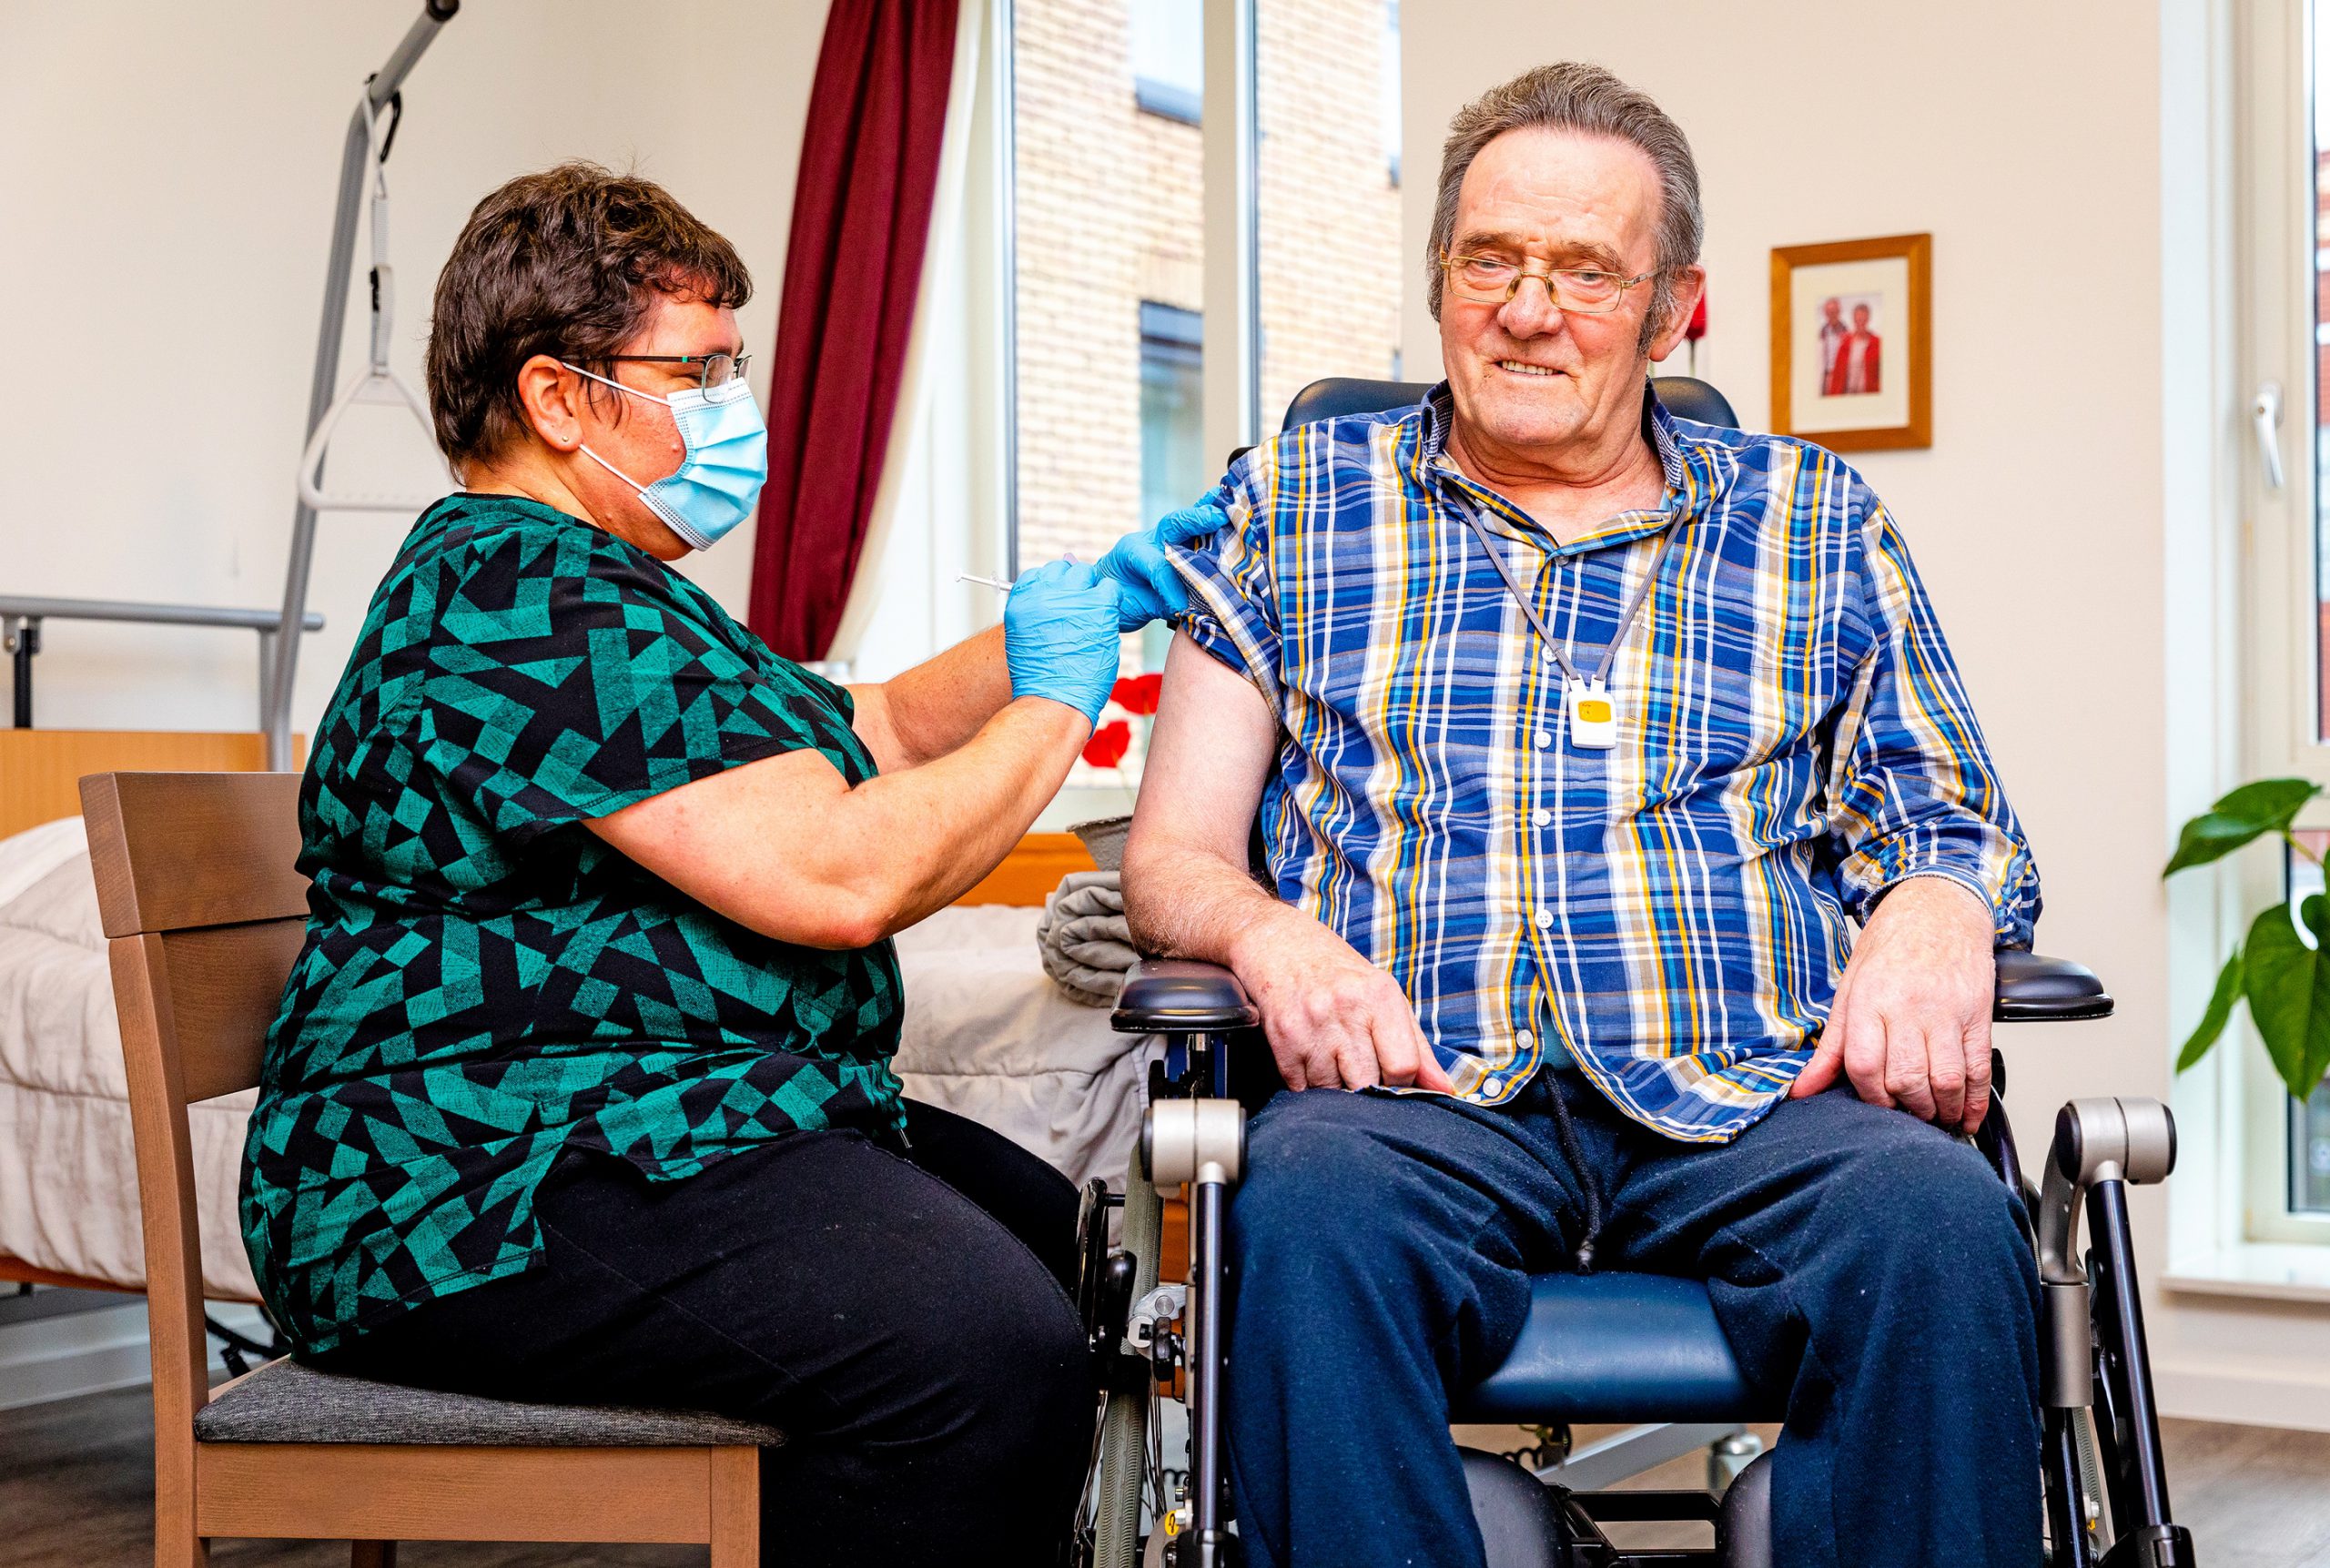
[725, 461]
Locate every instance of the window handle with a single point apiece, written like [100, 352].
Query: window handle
[2266, 411]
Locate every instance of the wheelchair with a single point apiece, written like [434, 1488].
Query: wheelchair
[1623, 1348]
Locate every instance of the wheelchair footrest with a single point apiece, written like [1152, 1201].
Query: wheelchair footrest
[1528, 1522]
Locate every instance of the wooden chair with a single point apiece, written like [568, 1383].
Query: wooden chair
[205, 911]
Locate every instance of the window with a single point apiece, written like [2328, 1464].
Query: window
[2311, 412]
[2291, 1173]
[2284, 461]
[1329, 264]
[1112, 260]
[2285, 157]
[1109, 258]
[1109, 239]
[2310, 1155]
[1168, 58]
[1173, 467]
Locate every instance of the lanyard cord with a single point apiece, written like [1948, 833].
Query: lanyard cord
[1625, 621]
[1589, 1186]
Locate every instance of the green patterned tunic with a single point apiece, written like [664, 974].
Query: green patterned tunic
[486, 985]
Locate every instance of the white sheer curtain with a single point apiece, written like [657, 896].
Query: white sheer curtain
[943, 507]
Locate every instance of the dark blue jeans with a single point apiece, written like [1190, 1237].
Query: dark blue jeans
[1860, 1261]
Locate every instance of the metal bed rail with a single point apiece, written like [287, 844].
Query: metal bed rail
[21, 618]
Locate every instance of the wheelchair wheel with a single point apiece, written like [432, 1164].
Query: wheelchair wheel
[1124, 1454]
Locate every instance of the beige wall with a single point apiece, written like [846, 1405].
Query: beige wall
[166, 208]
[2027, 140]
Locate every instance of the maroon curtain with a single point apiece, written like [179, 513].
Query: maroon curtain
[861, 220]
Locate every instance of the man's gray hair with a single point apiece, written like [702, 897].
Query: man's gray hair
[1571, 96]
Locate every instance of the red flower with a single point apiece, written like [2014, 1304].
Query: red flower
[1109, 744]
[1137, 693]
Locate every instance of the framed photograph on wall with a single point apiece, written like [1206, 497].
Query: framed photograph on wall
[1852, 335]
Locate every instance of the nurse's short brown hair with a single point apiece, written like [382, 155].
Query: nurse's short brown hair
[566, 262]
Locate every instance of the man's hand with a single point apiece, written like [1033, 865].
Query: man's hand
[1334, 1020]
[1911, 1025]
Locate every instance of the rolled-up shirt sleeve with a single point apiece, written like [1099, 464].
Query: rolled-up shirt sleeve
[1233, 593]
[1916, 792]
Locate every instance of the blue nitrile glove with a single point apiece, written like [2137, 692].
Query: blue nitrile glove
[1060, 635]
[1153, 589]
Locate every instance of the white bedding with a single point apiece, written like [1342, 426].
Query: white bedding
[990, 1036]
[985, 1035]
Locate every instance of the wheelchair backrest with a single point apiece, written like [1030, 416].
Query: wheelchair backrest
[1336, 396]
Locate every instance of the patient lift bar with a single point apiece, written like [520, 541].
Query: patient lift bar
[364, 145]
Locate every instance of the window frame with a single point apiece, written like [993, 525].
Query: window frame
[2276, 258]
[2276, 348]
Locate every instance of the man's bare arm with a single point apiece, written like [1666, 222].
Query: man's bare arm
[1333, 1019]
[1186, 891]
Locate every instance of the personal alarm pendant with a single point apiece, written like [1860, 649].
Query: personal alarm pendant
[1592, 715]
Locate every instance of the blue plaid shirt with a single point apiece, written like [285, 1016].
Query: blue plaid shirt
[1671, 914]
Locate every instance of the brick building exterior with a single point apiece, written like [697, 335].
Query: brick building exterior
[1331, 267]
[1109, 199]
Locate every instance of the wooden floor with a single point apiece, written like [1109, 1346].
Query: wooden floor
[2253, 1497]
[76, 1490]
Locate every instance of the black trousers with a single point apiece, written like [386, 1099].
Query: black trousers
[908, 1321]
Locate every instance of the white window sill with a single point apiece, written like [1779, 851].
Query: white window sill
[2275, 1270]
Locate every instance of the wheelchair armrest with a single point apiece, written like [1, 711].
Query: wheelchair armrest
[2036, 989]
[1180, 997]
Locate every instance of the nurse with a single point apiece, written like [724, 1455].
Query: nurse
[580, 1089]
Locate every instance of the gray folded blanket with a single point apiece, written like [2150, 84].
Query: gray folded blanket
[1086, 945]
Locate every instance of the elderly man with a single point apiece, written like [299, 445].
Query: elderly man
[1581, 735]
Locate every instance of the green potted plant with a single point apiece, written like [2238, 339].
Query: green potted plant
[2283, 976]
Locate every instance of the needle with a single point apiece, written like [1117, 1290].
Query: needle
[997, 583]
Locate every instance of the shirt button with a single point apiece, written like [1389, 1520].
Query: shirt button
[1544, 918]
[1544, 739]
[1493, 1087]
[1524, 1039]
[1541, 817]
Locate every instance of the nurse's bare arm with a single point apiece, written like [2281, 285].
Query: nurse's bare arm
[935, 707]
[1333, 1019]
[786, 846]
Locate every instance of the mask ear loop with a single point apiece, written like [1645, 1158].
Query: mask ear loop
[618, 385]
[626, 479]
[602, 462]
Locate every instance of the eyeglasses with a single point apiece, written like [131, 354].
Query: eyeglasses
[718, 370]
[1494, 279]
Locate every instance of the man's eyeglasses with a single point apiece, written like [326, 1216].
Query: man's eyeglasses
[713, 369]
[1494, 279]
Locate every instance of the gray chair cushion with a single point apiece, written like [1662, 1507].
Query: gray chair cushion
[284, 1402]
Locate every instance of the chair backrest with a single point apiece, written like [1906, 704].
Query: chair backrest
[1683, 397]
[203, 910]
